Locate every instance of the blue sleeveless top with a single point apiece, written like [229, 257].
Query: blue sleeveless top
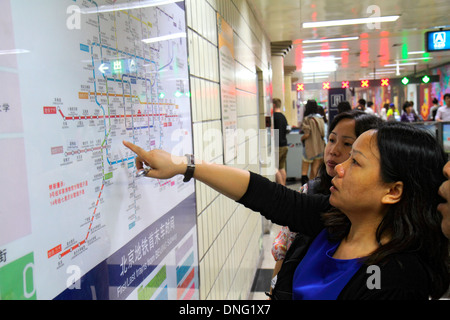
[319, 276]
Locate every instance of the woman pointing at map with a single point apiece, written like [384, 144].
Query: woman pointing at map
[377, 236]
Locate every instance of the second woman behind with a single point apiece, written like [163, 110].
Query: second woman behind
[313, 127]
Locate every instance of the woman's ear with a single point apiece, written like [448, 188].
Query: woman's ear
[394, 193]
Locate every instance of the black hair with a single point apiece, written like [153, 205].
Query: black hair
[344, 106]
[310, 108]
[413, 156]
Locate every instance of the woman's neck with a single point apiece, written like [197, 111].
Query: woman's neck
[360, 242]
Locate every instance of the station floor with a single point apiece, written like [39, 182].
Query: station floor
[261, 282]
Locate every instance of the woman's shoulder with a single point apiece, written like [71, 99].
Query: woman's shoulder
[399, 276]
[406, 263]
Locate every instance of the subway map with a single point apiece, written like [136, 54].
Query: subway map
[86, 75]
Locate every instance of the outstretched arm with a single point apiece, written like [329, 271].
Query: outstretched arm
[231, 182]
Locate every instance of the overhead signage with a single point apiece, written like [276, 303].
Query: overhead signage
[436, 41]
[386, 82]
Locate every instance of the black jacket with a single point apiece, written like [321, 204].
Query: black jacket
[401, 276]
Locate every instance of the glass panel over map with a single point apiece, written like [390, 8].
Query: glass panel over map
[76, 79]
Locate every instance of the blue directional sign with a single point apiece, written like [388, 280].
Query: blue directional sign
[437, 40]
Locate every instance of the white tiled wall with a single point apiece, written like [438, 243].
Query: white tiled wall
[229, 235]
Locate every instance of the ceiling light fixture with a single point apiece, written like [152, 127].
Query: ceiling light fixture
[416, 59]
[317, 66]
[416, 52]
[325, 51]
[381, 72]
[388, 69]
[331, 40]
[401, 64]
[335, 23]
[310, 74]
[316, 77]
[322, 58]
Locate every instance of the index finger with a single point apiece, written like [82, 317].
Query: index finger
[139, 152]
[136, 149]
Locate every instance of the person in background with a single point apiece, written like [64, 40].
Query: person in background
[280, 123]
[434, 109]
[313, 127]
[443, 113]
[344, 106]
[361, 105]
[408, 115]
[322, 112]
[392, 114]
[383, 112]
[381, 217]
[418, 117]
[369, 108]
[344, 129]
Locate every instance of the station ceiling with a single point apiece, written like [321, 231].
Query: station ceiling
[371, 50]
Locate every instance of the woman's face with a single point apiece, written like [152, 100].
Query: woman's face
[339, 145]
[358, 186]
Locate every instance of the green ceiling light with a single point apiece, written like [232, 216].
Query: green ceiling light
[405, 81]
[426, 79]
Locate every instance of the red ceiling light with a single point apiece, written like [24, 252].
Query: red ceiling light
[364, 83]
[345, 84]
[300, 87]
[364, 51]
[384, 82]
[326, 85]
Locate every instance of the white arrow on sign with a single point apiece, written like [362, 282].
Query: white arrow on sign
[103, 68]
